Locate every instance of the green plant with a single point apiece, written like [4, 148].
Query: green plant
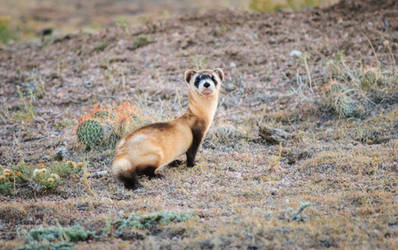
[47, 246]
[121, 22]
[276, 5]
[5, 30]
[354, 88]
[266, 5]
[296, 5]
[346, 102]
[292, 215]
[198, 61]
[103, 114]
[143, 40]
[37, 178]
[27, 112]
[101, 46]
[56, 237]
[151, 220]
[104, 126]
[226, 134]
[94, 133]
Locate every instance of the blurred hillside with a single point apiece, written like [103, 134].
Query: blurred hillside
[21, 20]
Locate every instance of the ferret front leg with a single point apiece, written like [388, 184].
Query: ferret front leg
[193, 149]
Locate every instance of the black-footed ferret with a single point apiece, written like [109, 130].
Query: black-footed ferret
[149, 148]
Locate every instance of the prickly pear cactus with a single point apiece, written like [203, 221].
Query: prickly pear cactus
[90, 133]
[93, 133]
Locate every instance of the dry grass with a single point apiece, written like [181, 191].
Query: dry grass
[332, 183]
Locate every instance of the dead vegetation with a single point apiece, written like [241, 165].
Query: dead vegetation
[302, 152]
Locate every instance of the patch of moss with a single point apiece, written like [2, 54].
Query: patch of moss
[101, 46]
[142, 40]
[153, 219]
[56, 237]
[5, 30]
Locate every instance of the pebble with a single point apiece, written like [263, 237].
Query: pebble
[296, 53]
[61, 153]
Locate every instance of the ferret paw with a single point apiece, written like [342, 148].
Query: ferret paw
[175, 163]
[134, 186]
[158, 176]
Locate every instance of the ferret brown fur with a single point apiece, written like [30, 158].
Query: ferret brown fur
[149, 148]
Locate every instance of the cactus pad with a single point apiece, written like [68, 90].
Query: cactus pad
[93, 133]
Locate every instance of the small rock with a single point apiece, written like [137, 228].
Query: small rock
[274, 135]
[88, 84]
[46, 32]
[206, 244]
[61, 153]
[228, 86]
[232, 65]
[99, 174]
[295, 53]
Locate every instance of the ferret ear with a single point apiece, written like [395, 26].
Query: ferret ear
[188, 75]
[220, 73]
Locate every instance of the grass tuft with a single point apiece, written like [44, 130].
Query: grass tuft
[101, 46]
[56, 237]
[143, 40]
[278, 5]
[153, 219]
[5, 30]
[38, 178]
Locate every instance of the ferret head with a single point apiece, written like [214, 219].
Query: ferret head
[204, 82]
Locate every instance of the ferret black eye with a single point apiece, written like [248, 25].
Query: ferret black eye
[196, 83]
[214, 80]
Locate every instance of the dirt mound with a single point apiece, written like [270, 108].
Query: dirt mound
[358, 6]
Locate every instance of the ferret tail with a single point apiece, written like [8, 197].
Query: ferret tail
[124, 171]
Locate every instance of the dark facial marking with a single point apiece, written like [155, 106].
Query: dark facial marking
[198, 130]
[203, 77]
[214, 80]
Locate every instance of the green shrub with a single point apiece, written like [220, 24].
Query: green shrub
[94, 133]
[38, 178]
[56, 237]
[48, 246]
[151, 220]
[5, 30]
[276, 5]
[143, 40]
[354, 91]
[346, 102]
[101, 46]
[104, 126]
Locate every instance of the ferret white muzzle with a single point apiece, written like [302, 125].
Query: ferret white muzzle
[207, 87]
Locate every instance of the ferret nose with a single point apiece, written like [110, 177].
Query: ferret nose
[206, 85]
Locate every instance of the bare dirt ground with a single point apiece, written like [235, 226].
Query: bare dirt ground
[244, 188]
[33, 17]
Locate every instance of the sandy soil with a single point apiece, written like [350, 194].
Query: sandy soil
[242, 187]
